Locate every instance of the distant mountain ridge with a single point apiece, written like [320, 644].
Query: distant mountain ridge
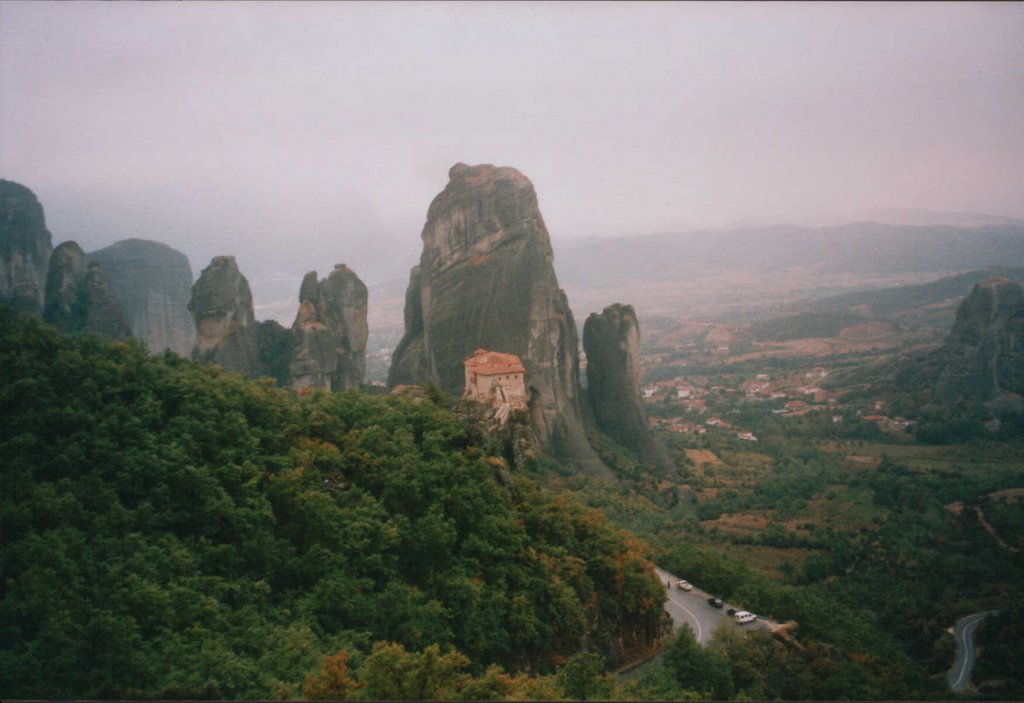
[888, 301]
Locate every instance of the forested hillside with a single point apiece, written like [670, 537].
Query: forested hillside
[171, 530]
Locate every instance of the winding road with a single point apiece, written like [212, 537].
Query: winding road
[691, 608]
[963, 633]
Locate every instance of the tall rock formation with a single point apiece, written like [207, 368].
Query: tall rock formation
[153, 282]
[225, 325]
[329, 333]
[25, 246]
[486, 280]
[103, 314]
[611, 342]
[978, 370]
[79, 298]
[983, 356]
[64, 278]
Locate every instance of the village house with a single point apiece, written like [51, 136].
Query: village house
[687, 428]
[753, 388]
[498, 380]
[898, 424]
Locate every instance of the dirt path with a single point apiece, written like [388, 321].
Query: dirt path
[992, 531]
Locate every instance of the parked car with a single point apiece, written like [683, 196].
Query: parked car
[743, 617]
[715, 602]
[730, 611]
[684, 586]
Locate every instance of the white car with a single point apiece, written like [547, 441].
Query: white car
[743, 617]
[684, 586]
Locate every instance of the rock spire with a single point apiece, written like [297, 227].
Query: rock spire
[611, 341]
[25, 246]
[983, 356]
[79, 298]
[486, 280]
[329, 333]
[221, 306]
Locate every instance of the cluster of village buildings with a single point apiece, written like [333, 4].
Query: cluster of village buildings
[793, 396]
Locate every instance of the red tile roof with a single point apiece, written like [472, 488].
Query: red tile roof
[488, 363]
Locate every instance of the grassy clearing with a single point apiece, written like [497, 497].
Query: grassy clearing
[769, 561]
[841, 508]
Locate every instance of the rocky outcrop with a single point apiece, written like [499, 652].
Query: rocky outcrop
[977, 372]
[80, 299]
[983, 356]
[64, 277]
[103, 314]
[329, 333]
[25, 246]
[486, 280]
[221, 307]
[611, 342]
[153, 282]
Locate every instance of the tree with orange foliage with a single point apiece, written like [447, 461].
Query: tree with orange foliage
[333, 681]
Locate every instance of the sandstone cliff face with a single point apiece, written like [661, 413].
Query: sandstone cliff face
[64, 278]
[611, 342]
[983, 356]
[225, 325]
[25, 246]
[103, 314]
[329, 333]
[486, 280]
[80, 299]
[153, 282]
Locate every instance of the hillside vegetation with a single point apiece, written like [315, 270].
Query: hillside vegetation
[171, 530]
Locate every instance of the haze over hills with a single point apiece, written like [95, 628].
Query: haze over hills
[935, 301]
[706, 272]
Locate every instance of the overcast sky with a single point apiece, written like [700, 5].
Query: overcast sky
[257, 128]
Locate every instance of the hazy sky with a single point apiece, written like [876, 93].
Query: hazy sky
[261, 128]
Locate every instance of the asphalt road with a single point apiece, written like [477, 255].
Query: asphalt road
[691, 608]
[963, 634]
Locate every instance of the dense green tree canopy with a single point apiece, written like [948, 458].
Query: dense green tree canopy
[173, 530]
